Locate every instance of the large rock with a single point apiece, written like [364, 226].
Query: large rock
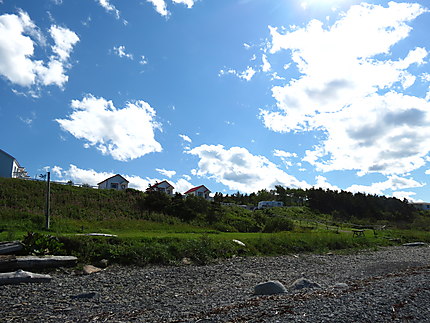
[269, 288]
[304, 283]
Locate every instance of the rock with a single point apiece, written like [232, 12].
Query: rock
[240, 243]
[102, 263]
[90, 269]
[304, 283]
[186, 261]
[269, 288]
[414, 244]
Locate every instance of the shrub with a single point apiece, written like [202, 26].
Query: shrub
[277, 224]
[41, 244]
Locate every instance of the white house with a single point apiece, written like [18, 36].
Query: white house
[163, 186]
[201, 191]
[116, 182]
[9, 166]
[266, 204]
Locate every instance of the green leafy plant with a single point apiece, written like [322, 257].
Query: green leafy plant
[41, 244]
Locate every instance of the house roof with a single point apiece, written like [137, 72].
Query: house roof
[113, 177]
[196, 188]
[157, 184]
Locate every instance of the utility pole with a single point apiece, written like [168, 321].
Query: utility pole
[48, 202]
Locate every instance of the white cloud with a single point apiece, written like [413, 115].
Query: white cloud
[188, 3]
[406, 195]
[369, 124]
[285, 156]
[239, 170]
[322, 182]
[143, 60]
[245, 75]
[120, 51]
[167, 173]
[124, 134]
[160, 7]
[109, 7]
[185, 138]
[266, 67]
[18, 37]
[64, 40]
[393, 183]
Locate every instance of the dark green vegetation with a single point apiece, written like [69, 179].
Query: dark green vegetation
[155, 228]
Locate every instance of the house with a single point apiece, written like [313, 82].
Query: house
[163, 186]
[116, 182]
[422, 206]
[267, 204]
[200, 191]
[9, 167]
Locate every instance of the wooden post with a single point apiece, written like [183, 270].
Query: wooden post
[48, 206]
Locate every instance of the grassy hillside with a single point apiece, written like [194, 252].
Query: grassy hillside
[25, 200]
[152, 232]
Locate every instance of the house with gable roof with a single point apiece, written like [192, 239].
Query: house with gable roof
[163, 186]
[9, 166]
[116, 182]
[201, 191]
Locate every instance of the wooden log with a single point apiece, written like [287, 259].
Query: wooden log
[35, 262]
[21, 276]
[10, 247]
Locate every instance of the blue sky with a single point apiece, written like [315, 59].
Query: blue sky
[238, 95]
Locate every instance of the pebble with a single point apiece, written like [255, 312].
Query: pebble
[389, 285]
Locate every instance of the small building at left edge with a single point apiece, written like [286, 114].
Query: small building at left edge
[116, 182]
[9, 166]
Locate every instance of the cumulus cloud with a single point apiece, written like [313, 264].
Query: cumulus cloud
[186, 138]
[321, 181]
[188, 3]
[238, 169]
[109, 8]
[160, 6]
[370, 125]
[120, 51]
[18, 38]
[285, 156]
[266, 67]
[167, 173]
[244, 75]
[124, 134]
[393, 182]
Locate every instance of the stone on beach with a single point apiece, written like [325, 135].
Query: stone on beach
[304, 283]
[269, 288]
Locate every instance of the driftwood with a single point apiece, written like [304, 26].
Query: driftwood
[10, 247]
[21, 276]
[97, 234]
[8, 263]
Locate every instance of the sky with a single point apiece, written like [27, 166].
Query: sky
[236, 95]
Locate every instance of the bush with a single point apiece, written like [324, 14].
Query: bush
[278, 224]
[41, 244]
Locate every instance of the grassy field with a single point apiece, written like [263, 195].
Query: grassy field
[152, 238]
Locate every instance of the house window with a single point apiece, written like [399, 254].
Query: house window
[200, 194]
[114, 185]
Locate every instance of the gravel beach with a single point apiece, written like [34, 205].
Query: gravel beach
[388, 285]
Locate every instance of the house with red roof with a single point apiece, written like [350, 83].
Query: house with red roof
[163, 186]
[201, 191]
[116, 182]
